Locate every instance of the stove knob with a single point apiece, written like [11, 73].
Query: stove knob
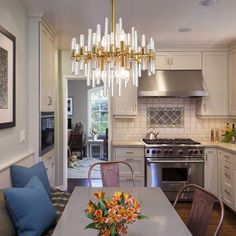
[165, 151]
[195, 152]
[190, 151]
[170, 151]
[158, 151]
[181, 152]
[154, 152]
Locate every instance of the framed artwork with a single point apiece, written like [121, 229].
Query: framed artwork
[7, 79]
[70, 106]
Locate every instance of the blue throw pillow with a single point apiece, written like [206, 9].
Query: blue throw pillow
[30, 208]
[21, 175]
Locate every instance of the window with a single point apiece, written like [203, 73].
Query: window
[97, 110]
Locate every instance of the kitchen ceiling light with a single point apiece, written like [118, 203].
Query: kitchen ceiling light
[207, 3]
[112, 58]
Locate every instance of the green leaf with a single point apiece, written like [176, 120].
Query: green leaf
[90, 216]
[102, 205]
[113, 230]
[140, 217]
[91, 226]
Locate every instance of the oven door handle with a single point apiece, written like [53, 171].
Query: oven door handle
[151, 160]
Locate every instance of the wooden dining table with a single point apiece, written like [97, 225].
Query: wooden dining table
[162, 220]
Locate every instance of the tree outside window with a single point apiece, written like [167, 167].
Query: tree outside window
[98, 110]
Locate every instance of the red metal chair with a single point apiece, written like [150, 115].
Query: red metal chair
[200, 214]
[110, 173]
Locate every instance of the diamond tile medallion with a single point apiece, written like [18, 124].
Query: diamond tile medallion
[165, 117]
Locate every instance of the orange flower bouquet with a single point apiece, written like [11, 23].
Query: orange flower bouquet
[111, 216]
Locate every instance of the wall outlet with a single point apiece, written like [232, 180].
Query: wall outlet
[22, 136]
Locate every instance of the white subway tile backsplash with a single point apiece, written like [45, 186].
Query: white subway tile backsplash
[195, 128]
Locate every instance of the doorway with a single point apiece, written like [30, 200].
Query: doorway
[86, 113]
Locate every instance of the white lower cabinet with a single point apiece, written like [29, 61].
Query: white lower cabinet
[49, 162]
[135, 157]
[211, 170]
[228, 178]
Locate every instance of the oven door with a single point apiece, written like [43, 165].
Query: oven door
[172, 175]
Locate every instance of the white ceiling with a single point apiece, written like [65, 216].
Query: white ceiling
[158, 18]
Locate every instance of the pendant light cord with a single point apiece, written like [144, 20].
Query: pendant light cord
[113, 16]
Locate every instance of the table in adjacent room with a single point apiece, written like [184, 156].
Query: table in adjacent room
[95, 143]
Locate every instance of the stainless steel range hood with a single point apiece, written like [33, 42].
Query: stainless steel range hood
[173, 83]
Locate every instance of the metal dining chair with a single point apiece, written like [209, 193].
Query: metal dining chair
[110, 173]
[202, 205]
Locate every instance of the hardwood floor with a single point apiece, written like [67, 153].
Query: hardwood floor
[229, 223]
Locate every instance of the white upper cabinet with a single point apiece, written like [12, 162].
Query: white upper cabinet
[214, 69]
[162, 61]
[125, 105]
[232, 82]
[178, 61]
[47, 75]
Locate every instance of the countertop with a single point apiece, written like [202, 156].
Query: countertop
[137, 143]
[127, 143]
[229, 147]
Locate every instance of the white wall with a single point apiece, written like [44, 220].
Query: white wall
[13, 18]
[79, 91]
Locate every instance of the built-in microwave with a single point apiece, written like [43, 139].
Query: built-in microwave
[46, 132]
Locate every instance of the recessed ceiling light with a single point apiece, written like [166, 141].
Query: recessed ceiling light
[184, 30]
[207, 3]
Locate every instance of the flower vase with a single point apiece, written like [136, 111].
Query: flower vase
[95, 137]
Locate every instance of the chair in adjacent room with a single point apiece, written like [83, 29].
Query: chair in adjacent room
[201, 210]
[110, 173]
[77, 143]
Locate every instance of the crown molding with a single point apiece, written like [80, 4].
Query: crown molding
[40, 17]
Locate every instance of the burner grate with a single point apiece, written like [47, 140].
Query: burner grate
[171, 141]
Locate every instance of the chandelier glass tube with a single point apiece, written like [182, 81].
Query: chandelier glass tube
[113, 58]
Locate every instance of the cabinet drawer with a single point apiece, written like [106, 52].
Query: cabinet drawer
[226, 166]
[129, 152]
[227, 178]
[137, 165]
[227, 157]
[127, 182]
[227, 195]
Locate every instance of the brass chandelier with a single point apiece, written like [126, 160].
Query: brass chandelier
[113, 58]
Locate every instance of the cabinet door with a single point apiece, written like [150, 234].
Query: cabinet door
[127, 182]
[51, 74]
[43, 68]
[49, 162]
[210, 170]
[126, 104]
[220, 166]
[47, 75]
[215, 76]
[185, 61]
[232, 82]
[162, 60]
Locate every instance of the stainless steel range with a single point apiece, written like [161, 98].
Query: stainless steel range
[173, 163]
